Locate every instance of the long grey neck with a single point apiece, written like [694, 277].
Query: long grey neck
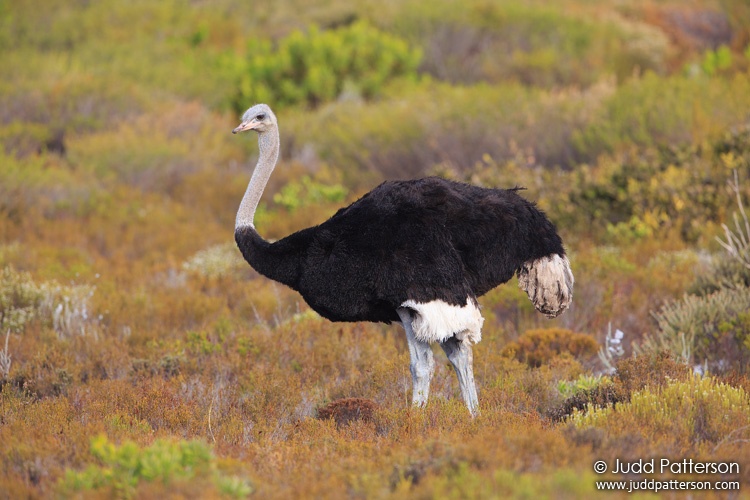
[268, 145]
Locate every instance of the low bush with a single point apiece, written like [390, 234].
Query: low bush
[19, 299]
[688, 413]
[711, 329]
[633, 374]
[538, 347]
[345, 411]
[651, 370]
[216, 261]
[66, 308]
[122, 469]
[318, 66]
[307, 192]
[654, 111]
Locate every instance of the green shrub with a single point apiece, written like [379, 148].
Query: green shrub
[307, 192]
[651, 370]
[433, 126]
[122, 468]
[318, 66]
[716, 60]
[584, 382]
[645, 191]
[669, 170]
[655, 111]
[694, 410]
[36, 184]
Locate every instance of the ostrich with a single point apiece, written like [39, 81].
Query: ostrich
[415, 252]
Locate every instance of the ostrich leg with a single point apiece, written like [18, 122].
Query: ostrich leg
[460, 356]
[422, 365]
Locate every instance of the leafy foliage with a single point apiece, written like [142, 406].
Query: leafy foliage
[306, 192]
[631, 375]
[124, 467]
[318, 66]
[584, 382]
[693, 411]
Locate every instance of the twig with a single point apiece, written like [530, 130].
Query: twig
[210, 431]
[5, 357]
[737, 242]
[723, 441]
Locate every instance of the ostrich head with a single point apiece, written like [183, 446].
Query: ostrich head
[259, 118]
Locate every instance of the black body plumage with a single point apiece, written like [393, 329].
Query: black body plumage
[417, 240]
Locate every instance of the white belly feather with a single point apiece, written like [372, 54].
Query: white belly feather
[437, 321]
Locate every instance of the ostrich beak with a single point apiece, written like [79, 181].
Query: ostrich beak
[248, 125]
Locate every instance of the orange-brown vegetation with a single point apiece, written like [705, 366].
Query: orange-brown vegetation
[141, 357]
[344, 411]
[539, 346]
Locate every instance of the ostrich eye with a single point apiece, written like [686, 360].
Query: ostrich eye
[260, 117]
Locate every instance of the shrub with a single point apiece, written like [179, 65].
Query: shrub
[318, 66]
[602, 395]
[345, 411]
[656, 111]
[215, 261]
[584, 382]
[710, 329]
[713, 327]
[643, 191]
[736, 241]
[65, 307]
[5, 360]
[70, 309]
[716, 60]
[307, 192]
[122, 468]
[19, 299]
[632, 374]
[723, 273]
[538, 347]
[692, 411]
[652, 370]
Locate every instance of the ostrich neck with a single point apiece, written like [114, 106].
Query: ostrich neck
[268, 145]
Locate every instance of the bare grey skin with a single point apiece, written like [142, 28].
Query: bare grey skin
[423, 365]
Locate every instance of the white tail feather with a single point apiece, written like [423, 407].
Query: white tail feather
[548, 281]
